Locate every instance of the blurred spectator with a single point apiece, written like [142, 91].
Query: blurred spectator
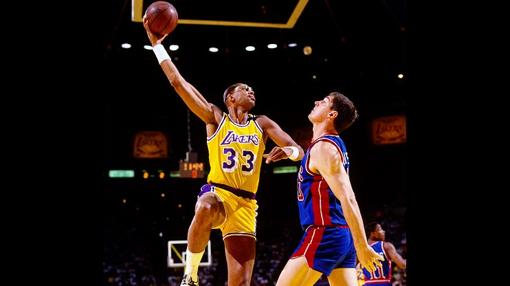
[383, 275]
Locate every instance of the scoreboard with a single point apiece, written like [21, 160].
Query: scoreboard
[191, 169]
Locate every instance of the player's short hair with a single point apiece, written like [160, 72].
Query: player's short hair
[229, 90]
[347, 112]
[370, 227]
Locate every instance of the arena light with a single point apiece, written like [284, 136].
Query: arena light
[174, 47]
[126, 45]
[292, 45]
[213, 50]
[147, 47]
[307, 50]
[272, 46]
[250, 48]
[175, 174]
[400, 76]
[121, 174]
[285, 170]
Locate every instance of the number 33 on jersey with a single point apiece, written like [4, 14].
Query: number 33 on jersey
[235, 154]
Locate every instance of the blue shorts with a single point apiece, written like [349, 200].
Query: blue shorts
[327, 248]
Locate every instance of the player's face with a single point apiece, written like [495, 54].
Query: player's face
[379, 232]
[321, 109]
[244, 96]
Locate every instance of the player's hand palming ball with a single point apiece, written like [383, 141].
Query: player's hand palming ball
[161, 18]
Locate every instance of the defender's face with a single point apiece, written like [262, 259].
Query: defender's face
[320, 110]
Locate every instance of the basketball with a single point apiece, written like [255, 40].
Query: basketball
[161, 18]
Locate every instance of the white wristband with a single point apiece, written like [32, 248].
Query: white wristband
[295, 153]
[160, 53]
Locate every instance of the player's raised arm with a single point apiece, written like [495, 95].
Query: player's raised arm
[208, 112]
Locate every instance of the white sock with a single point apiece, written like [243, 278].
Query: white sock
[192, 263]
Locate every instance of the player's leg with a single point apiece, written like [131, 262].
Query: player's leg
[343, 277]
[240, 256]
[345, 274]
[209, 213]
[297, 273]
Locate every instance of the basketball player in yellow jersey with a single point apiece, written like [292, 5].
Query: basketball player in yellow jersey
[236, 143]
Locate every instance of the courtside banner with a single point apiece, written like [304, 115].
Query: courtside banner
[150, 144]
[389, 130]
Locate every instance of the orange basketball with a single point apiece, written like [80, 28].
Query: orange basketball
[161, 18]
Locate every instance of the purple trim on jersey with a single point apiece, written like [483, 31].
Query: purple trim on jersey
[316, 201]
[219, 127]
[238, 192]
[240, 125]
[257, 125]
[205, 189]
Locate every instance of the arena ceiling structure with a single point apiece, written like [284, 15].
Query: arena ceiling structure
[354, 45]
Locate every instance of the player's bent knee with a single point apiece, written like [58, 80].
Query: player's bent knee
[206, 209]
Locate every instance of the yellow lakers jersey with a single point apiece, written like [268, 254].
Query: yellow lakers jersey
[235, 154]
